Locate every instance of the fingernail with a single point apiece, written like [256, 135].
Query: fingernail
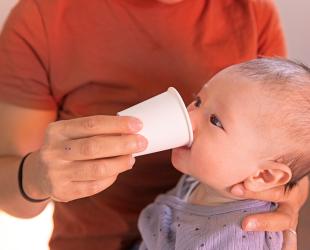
[251, 225]
[142, 142]
[132, 161]
[135, 125]
[238, 191]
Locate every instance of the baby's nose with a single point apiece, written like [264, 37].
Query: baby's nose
[193, 119]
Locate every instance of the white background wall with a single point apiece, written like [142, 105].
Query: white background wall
[13, 232]
[5, 6]
[295, 16]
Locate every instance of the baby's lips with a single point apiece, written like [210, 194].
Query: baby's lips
[182, 148]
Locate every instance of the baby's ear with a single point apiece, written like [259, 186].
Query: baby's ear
[270, 174]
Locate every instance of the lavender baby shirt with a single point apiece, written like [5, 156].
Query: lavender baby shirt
[172, 223]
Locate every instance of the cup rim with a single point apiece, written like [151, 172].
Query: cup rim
[173, 91]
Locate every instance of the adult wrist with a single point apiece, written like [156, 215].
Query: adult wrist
[21, 183]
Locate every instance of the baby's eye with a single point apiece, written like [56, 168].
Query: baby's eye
[197, 102]
[215, 121]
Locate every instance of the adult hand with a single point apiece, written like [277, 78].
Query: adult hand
[285, 218]
[81, 157]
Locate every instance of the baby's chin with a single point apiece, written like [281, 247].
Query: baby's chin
[180, 158]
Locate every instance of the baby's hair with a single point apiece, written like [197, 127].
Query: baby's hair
[288, 82]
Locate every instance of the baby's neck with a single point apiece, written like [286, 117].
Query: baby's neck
[205, 195]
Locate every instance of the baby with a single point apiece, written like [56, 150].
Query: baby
[251, 125]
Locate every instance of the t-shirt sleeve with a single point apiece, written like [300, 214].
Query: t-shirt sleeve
[271, 41]
[24, 62]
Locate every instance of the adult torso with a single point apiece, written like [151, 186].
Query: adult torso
[107, 55]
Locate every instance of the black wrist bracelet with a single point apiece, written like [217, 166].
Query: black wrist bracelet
[20, 182]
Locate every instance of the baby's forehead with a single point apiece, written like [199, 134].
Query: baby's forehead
[243, 96]
[229, 81]
[273, 96]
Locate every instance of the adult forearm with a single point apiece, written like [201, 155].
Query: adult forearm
[74, 161]
[11, 201]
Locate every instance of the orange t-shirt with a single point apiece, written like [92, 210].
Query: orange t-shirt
[94, 57]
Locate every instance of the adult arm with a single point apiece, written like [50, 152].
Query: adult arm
[21, 131]
[71, 159]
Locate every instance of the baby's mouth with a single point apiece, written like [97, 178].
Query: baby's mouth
[183, 148]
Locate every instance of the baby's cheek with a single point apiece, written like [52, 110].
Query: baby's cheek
[202, 168]
[211, 177]
[210, 170]
[179, 160]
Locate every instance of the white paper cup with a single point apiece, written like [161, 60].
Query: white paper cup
[166, 122]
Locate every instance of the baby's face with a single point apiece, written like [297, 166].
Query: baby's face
[229, 141]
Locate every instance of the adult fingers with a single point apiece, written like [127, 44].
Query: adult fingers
[93, 125]
[295, 197]
[99, 169]
[77, 190]
[276, 194]
[272, 222]
[89, 188]
[282, 219]
[100, 147]
[289, 240]
[301, 191]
